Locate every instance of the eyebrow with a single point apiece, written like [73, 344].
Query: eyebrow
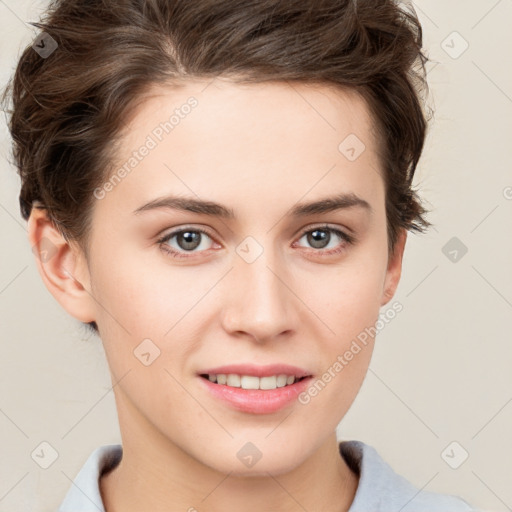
[325, 205]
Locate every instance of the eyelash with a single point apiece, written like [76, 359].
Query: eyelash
[347, 240]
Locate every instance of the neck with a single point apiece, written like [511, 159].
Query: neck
[155, 474]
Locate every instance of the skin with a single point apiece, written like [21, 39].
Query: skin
[258, 149]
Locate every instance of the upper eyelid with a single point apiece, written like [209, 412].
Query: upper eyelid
[176, 231]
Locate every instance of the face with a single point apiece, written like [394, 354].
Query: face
[261, 280]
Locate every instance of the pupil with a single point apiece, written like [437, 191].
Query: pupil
[187, 237]
[316, 240]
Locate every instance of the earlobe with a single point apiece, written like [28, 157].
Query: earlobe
[61, 265]
[394, 270]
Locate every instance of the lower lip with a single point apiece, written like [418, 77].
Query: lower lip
[256, 401]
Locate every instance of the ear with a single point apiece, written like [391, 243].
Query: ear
[62, 266]
[394, 270]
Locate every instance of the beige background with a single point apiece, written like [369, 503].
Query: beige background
[441, 369]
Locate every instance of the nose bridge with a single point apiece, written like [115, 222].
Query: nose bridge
[260, 303]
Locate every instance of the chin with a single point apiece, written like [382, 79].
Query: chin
[249, 461]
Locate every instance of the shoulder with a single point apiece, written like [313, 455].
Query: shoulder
[381, 489]
[85, 490]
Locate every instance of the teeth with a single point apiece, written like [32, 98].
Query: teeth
[251, 381]
[281, 381]
[268, 382]
[233, 380]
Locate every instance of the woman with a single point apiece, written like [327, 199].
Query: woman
[222, 192]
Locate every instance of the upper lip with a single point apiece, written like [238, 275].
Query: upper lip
[258, 371]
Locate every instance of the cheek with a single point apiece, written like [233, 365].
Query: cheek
[346, 298]
[141, 315]
[349, 305]
[149, 308]
[142, 296]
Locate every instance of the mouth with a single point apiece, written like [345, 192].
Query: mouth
[255, 389]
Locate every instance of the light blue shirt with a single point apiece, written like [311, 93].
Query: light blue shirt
[380, 489]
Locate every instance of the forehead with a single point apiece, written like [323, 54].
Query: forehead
[274, 141]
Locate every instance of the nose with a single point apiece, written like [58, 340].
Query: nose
[260, 305]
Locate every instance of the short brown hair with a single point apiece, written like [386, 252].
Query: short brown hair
[67, 108]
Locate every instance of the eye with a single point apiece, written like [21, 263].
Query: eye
[320, 237]
[187, 240]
